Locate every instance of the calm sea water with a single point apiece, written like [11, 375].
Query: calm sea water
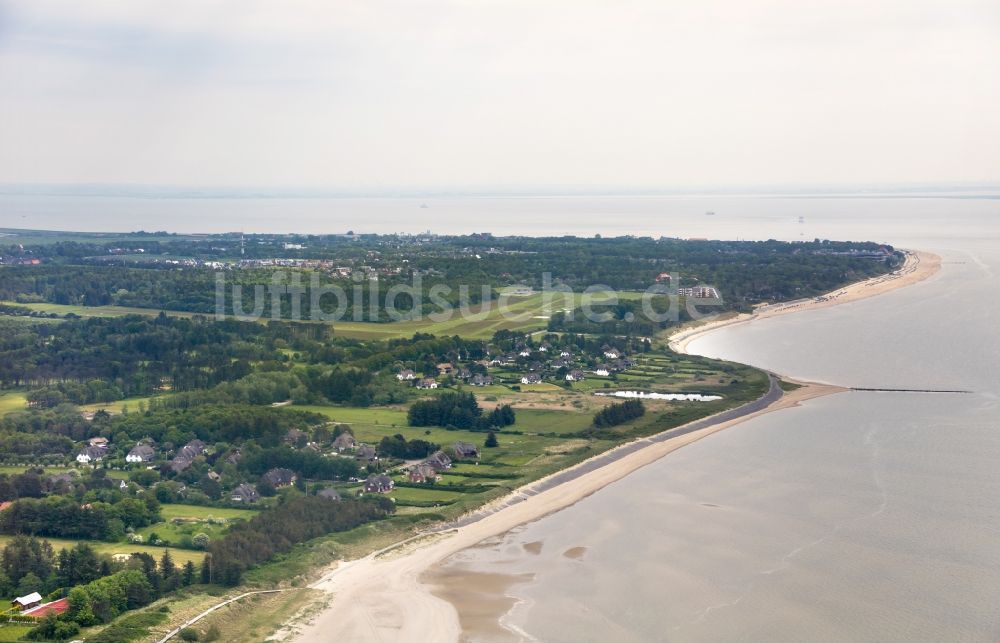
[758, 217]
[856, 517]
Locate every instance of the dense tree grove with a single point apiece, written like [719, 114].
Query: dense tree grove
[104, 359]
[65, 517]
[306, 463]
[458, 410]
[619, 413]
[214, 423]
[398, 446]
[25, 556]
[277, 530]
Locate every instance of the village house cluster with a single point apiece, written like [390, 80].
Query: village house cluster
[170, 462]
[526, 362]
[194, 469]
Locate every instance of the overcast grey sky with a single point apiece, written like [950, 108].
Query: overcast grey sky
[370, 94]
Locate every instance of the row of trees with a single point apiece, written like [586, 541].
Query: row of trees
[102, 359]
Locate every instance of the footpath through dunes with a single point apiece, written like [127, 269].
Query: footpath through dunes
[382, 596]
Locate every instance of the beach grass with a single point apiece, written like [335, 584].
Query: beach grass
[255, 617]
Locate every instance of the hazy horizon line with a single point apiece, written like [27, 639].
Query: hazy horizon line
[154, 190]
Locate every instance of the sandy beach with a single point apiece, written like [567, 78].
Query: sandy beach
[390, 596]
[918, 266]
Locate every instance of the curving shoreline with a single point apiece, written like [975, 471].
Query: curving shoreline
[385, 596]
[919, 265]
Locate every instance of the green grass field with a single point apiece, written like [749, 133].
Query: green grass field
[50, 470]
[182, 522]
[551, 421]
[528, 314]
[96, 311]
[362, 417]
[512, 313]
[12, 632]
[11, 401]
[425, 495]
[179, 555]
[372, 424]
[196, 512]
[132, 403]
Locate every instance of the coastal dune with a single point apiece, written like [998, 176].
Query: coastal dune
[383, 597]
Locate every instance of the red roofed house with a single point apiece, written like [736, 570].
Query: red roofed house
[55, 607]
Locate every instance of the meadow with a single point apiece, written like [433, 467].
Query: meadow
[179, 555]
[12, 401]
[182, 522]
